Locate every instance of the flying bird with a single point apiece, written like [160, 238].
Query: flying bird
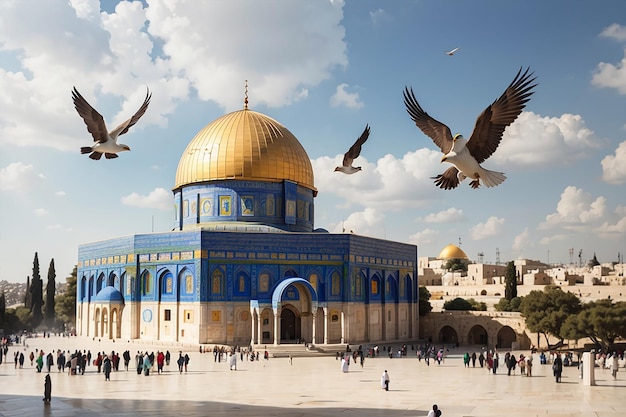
[467, 155]
[105, 141]
[353, 153]
[450, 53]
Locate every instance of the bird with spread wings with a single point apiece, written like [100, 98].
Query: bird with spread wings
[353, 153]
[105, 141]
[467, 155]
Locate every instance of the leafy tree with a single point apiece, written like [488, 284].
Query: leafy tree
[458, 304]
[3, 308]
[602, 321]
[546, 311]
[424, 301]
[455, 265]
[510, 282]
[477, 306]
[50, 293]
[36, 292]
[508, 305]
[65, 304]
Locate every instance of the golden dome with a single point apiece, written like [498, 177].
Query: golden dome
[245, 145]
[452, 252]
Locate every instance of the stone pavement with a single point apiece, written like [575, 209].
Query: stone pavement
[311, 386]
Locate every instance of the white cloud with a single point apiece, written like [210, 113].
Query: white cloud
[575, 209]
[536, 141]
[614, 166]
[552, 238]
[614, 31]
[611, 76]
[390, 183]
[60, 193]
[344, 98]
[169, 46]
[425, 237]
[492, 227]
[450, 215]
[18, 177]
[522, 240]
[40, 212]
[159, 199]
[369, 222]
[378, 16]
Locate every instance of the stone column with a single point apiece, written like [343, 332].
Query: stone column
[343, 328]
[276, 328]
[325, 325]
[252, 339]
[313, 329]
[588, 366]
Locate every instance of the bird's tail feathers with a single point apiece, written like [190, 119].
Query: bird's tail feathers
[85, 149]
[492, 178]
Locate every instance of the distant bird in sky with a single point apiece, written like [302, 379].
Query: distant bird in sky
[466, 156]
[452, 51]
[105, 141]
[353, 153]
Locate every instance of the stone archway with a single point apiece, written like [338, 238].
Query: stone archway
[308, 310]
[506, 337]
[478, 336]
[448, 335]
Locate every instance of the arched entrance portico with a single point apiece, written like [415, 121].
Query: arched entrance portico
[294, 320]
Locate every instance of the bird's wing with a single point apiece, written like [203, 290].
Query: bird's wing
[495, 118]
[93, 119]
[355, 150]
[452, 51]
[432, 128]
[123, 128]
[448, 180]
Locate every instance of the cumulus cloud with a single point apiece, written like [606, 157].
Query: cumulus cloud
[159, 199]
[344, 98]
[169, 46]
[575, 208]
[535, 141]
[18, 176]
[369, 222]
[553, 238]
[614, 166]
[615, 31]
[522, 240]
[425, 237]
[492, 227]
[60, 193]
[390, 183]
[450, 215]
[41, 212]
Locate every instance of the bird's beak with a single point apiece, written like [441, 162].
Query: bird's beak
[444, 158]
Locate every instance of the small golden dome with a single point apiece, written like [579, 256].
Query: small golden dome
[452, 252]
[245, 145]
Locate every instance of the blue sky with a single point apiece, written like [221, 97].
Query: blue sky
[324, 69]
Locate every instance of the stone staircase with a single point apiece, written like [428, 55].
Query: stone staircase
[298, 350]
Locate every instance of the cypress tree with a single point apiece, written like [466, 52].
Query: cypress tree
[36, 294]
[510, 282]
[50, 293]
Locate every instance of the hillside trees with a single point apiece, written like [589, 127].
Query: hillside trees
[602, 321]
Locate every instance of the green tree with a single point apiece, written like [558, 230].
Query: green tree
[36, 293]
[66, 303]
[50, 293]
[424, 301]
[3, 309]
[455, 265]
[508, 305]
[546, 311]
[602, 321]
[458, 304]
[510, 282]
[28, 299]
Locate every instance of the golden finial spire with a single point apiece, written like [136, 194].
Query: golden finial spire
[245, 99]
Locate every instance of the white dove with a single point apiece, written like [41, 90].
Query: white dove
[353, 153]
[105, 142]
[450, 53]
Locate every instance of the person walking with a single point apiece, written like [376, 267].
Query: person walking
[614, 365]
[384, 381]
[435, 412]
[47, 389]
[557, 367]
[106, 365]
[180, 362]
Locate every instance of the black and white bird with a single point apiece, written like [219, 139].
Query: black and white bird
[353, 153]
[450, 53]
[105, 141]
[467, 155]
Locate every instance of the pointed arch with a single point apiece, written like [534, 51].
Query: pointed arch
[100, 282]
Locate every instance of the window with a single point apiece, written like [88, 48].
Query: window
[374, 287]
[168, 315]
[216, 282]
[188, 284]
[264, 282]
[335, 283]
[242, 283]
[357, 284]
[188, 316]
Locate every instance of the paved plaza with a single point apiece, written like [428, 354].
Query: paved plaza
[310, 386]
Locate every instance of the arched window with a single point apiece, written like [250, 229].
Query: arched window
[336, 283]
[264, 282]
[313, 280]
[216, 282]
[146, 283]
